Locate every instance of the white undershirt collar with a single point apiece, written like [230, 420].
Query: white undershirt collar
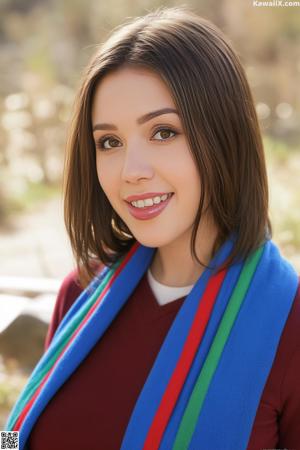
[165, 294]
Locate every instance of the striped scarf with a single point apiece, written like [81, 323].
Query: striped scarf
[205, 385]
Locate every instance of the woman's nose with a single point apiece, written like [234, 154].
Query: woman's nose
[136, 165]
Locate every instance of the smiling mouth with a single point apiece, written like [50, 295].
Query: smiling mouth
[149, 212]
[134, 204]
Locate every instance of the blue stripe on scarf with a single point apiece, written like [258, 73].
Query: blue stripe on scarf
[161, 372]
[54, 345]
[233, 397]
[230, 407]
[217, 313]
[88, 336]
[83, 297]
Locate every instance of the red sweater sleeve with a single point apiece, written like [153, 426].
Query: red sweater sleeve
[290, 386]
[277, 422]
[69, 291]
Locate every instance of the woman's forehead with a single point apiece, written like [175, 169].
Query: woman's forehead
[128, 90]
[119, 82]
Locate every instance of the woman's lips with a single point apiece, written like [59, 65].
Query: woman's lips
[149, 212]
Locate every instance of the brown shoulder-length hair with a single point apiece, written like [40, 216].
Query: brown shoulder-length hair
[211, 92]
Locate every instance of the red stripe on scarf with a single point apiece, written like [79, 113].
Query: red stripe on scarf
[184, 363]
[28, 405]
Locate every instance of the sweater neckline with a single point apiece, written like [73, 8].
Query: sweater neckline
[166, 297]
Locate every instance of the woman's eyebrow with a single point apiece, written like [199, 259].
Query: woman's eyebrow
[140, 120]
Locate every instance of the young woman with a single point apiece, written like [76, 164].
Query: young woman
[180, 327]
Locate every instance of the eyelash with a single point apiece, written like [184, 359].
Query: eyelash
[100, 142]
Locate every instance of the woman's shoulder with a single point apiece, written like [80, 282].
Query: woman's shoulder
[290, 338]
[69, 285]
[277, 418]
[288, 351]
[289, 394]
[70, 289]
[292, 325]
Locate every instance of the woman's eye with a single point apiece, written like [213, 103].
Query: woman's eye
[112, 142]
[165, 133]
[101, 142]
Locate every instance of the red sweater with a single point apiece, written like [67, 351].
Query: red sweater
[92, 408]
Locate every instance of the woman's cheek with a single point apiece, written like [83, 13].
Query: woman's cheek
[109, 181]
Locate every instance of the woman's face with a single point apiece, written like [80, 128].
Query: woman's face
[144, 155]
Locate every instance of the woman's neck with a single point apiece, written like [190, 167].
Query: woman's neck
[173, 265]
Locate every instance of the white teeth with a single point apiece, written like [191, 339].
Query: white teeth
[150, 201]
[140, 203]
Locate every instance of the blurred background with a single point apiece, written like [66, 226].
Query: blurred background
[44, 48]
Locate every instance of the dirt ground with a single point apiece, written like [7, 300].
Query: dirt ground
[36, 244]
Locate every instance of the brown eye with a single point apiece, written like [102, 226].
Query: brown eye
[165, 133]
[110, 139]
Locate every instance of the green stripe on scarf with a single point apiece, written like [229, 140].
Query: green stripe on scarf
[66, 335]
[193, 410]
